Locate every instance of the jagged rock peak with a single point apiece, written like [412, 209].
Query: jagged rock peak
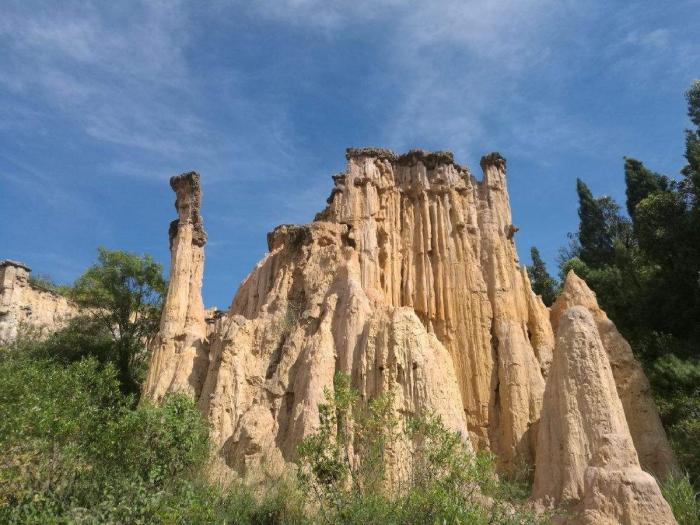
[430, 159]
[493, 159]
[187, 203]
[409, 283]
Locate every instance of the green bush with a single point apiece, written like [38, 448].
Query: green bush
[676, 385]
[74, 450]
[81, 337]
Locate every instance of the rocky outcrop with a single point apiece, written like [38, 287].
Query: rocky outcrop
[27, 305]
[586, 459]
[650, 442]
[297, 319]
[430, 237]
[179, 351]
[409, 282]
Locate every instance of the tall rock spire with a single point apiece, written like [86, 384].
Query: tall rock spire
[179, 358]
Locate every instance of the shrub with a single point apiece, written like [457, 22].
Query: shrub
[73, 450]
[447, 483]
[681, 495]
[676, 385]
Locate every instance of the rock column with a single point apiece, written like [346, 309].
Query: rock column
[180, 356]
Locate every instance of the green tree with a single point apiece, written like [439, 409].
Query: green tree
[640, 183]
[596, 245]
[124, 293]
[691, 171]
[542, 283]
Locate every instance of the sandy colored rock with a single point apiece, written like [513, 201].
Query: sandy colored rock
[26, 305]
[409, 282]
[430, 237]
[586, 460]
[655, 454]
[179, 351]
[291, 328]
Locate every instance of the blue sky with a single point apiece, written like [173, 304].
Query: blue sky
[101, 102]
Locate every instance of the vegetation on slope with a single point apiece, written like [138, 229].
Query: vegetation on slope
[75, 449]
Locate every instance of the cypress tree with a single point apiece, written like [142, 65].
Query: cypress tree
[542, 283]
[593, 235]
[640, 183]
[692, 144]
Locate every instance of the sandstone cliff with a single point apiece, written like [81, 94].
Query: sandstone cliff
[409, 282]
[23, 304]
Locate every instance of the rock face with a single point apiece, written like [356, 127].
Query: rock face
[409, 282]
[655, 454]
[430, 237]
[586, 458]
[25, 304]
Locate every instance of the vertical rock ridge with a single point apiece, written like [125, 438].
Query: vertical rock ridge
[409, 282]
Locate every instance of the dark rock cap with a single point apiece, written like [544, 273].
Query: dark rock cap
[189, 183]
[430, 159]
[16, 264]
[493, 159]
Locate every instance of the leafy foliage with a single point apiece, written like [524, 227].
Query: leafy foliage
[73, 450]
[45, 281]
[445, 483]
[123, 293]
[681, 495]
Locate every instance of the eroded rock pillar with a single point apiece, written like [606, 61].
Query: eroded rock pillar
[180, 359]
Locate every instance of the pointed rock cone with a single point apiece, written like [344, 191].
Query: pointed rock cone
[653, 448]
[586, 460]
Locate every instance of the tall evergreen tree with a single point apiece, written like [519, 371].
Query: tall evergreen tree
[692, 144]
[542, 283]
[640, 183]
[593, 235]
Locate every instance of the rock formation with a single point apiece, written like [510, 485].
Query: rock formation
[586, 459]
[409, 282]
[179, 349]
[23, 303]
[655, 454]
